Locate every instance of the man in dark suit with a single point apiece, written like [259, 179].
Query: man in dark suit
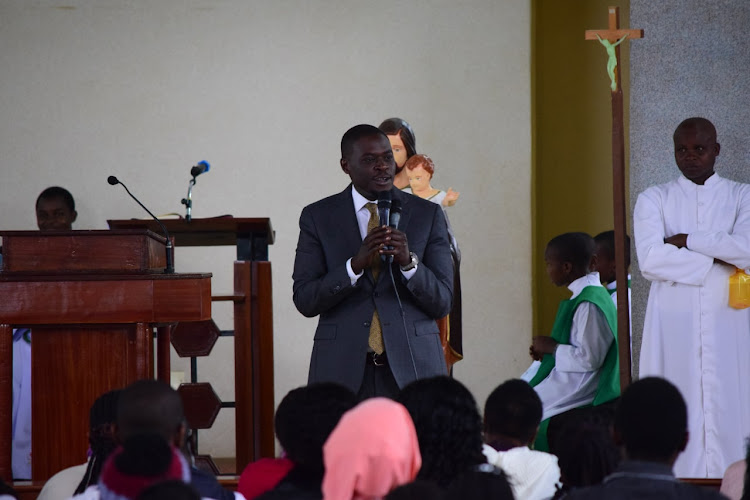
[339, 276]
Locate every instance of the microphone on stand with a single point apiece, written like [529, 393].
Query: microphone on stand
[200, 168]
[170, 249]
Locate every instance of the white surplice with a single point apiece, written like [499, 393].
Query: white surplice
[573, 381]
[691, 336]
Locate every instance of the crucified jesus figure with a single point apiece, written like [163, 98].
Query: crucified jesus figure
[612, 61]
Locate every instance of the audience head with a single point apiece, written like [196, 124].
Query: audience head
[448, 425]
[402, 140]
[605, 255]
[417, 490]
[696, 149]
[585, 451]
[651, 421]
[55, 210]
[102, 423]
[142, 460]
[372, 450]
[172, 490]
[484, 481]
[568, 257]
[151, 406]
[512, 413]
[305, 418]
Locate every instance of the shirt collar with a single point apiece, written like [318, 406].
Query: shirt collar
[359, 200]
[577, 286]
[710, 182]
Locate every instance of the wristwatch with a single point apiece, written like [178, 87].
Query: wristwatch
[411, 265]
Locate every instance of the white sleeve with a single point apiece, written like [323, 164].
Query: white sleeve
[590, 338]
[733, 248]
[660, 261]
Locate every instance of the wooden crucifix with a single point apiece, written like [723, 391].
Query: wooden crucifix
[611, 39]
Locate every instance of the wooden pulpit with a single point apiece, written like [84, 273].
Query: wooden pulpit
[91, 300]
[253, 319]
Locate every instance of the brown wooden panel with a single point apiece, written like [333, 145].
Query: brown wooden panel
[243, 359]
[263, 386]
[215, 231]
[81, 300]
[71, 367]
[76, 251]
[182, 300]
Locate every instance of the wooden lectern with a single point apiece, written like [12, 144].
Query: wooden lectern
[91, 300]
[253, 319]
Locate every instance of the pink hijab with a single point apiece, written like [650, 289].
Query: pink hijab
[372, 450]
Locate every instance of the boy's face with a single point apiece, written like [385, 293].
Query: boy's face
[605, 264]
[557, 270]
[52, 214]
[695, 151]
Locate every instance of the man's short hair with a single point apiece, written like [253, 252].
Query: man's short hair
[577, 248]
[356, 133]
[513, 410]
[652, 419]
[57, 192]
[149, 406]
[307, 416]
[606, 241]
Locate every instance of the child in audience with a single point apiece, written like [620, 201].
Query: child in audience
[102, 421]
[579, 365]
[372, 450]
[448, 425]
[585, 450]
[512, 416]
[303, 421]
[651, 424]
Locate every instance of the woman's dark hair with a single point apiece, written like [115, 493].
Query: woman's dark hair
[484, 481]
[449, 427]
[585, 450]
[102, 418]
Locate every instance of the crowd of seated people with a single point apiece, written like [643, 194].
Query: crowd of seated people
[429, 443]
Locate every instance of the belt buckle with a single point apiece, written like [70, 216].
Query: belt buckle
[376, 359]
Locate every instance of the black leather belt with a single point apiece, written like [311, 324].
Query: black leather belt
[376, 359]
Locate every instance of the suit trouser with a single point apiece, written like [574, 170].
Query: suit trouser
[378, 381]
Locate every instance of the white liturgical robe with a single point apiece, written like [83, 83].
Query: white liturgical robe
[691, 336]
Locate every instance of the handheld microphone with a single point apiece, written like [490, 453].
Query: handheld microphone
[394, 220]
[384, 207]
[200, 168]
[170, 249]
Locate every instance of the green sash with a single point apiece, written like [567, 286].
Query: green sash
[609, 374]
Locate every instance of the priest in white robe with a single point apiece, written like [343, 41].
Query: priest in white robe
[690, 234]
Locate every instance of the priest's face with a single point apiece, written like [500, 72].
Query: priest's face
[695, 151]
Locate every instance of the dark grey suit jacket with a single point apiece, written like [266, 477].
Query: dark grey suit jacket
[329, 236]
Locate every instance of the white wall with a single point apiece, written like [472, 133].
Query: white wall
[264, 90]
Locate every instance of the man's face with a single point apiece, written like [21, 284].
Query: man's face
[695, 151]
[52, 214]
[370, 166]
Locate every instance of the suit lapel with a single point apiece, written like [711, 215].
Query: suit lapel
[349, 228]
[405, 208]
